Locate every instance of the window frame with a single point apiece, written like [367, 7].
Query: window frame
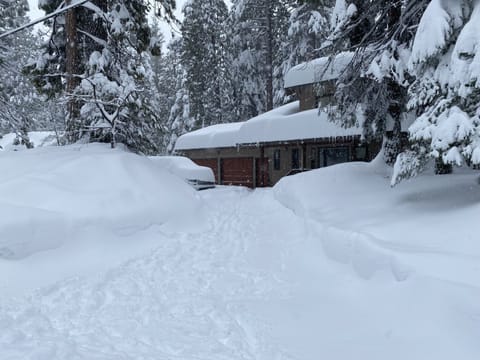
[322, 155]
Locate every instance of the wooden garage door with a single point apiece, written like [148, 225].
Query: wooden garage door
[211, 163]
[237, 171]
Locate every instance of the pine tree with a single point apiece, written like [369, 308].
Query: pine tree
[108, 73]
[179, 120]
[377, 79]
[204, 59]
[446, 93]
[21, 109]
[307, 33]
[259, 31]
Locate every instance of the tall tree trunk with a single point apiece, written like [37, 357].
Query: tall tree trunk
[269, 59]
[71, 67]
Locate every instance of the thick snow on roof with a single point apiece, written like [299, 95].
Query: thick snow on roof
[282, 124]
[288, 123]
[318, 70]
[215, 136]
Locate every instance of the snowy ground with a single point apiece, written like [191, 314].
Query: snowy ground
[330, 264]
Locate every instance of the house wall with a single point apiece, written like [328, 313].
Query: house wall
[244, 166]
[231, 166]
[313, 95]
[306, 96]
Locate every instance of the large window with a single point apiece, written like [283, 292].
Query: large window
[276, 160]
[295, 159]
[333, 155]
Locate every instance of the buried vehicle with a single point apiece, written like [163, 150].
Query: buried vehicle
[200, 177]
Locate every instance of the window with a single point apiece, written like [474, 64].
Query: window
[295, 159]
[333, 155]
[276, 160]
[361, 153]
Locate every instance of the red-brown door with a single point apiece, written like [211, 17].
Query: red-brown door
[237, 171]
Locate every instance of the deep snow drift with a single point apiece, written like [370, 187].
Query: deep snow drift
[329, 264]
[427, 223]
[55, 197]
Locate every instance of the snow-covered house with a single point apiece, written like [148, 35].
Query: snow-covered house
[291, 138]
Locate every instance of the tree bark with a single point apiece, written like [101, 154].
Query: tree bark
[71, 69]
[269, 60]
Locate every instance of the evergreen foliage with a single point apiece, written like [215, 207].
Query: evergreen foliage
[446, 92]
[259, 33]
[111, 98]
[307, 33]
[204, 59]
[21, 108]
[179, 119]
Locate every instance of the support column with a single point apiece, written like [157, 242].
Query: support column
[219, 170]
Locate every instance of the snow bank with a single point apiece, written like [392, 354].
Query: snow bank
[284, 123]
[364, 222]
[318, 70]
[184, 168]
[49, 194]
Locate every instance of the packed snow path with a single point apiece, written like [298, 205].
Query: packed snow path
[254, 284]
[187, 299]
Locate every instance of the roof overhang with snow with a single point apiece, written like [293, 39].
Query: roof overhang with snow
[318, 70]
[286, 123]
[215, 136]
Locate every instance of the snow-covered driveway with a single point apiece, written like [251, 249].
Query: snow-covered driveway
[253, 284]
[186, 299]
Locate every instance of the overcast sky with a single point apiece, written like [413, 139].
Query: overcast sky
[167, 30]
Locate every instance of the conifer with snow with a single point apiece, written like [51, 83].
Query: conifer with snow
[179, 119]
[258, 33]
[108, 77]
[307, 33]
[377, 79]
[21, 108]
[204, 59]
[446, 94]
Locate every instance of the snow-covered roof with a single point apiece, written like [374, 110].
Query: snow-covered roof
[318, 70]
[289, 123]
[285, 123]
[215, 136]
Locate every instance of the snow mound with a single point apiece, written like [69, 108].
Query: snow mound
[363, 222]
[49, 194]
